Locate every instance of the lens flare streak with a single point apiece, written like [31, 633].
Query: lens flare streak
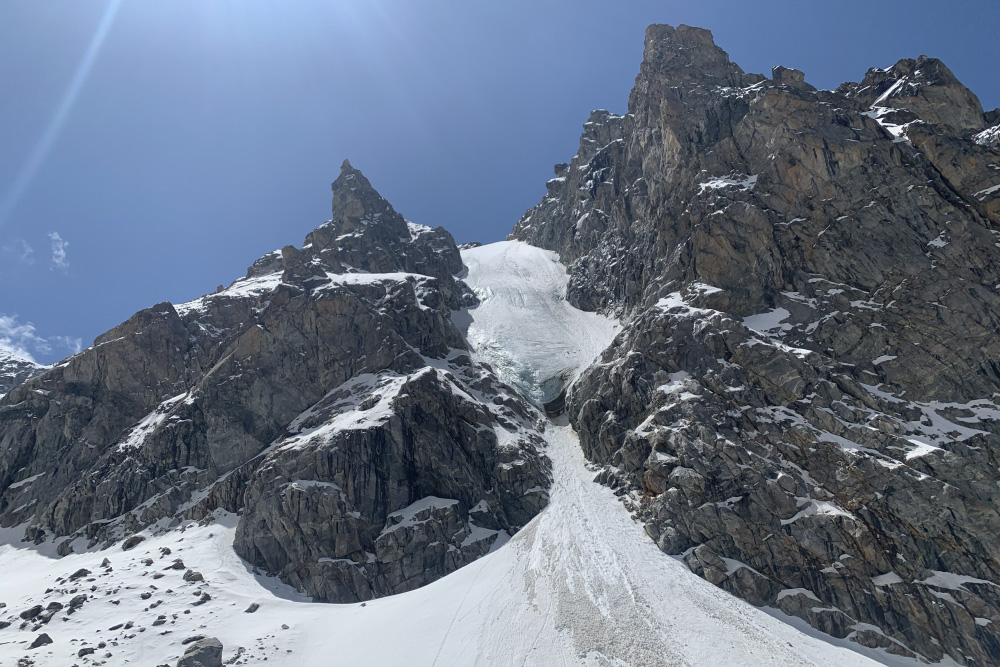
[41, 150]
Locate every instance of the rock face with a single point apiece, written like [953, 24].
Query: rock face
[327, 396]
[14, 371]
[803, 399]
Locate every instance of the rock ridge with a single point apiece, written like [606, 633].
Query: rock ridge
[319, 396]
[802, 401]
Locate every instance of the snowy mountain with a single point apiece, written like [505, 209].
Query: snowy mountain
[14, 370]
[806, 383]
[726, 397]
[547, 594]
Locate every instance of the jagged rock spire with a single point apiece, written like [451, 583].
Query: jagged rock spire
[357, 204]
[686, 53]
[367, 234]
[677, 59]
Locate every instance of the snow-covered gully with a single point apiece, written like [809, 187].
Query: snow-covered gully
[581, 584]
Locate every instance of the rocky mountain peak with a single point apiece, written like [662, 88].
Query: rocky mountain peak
[787, 76]
[356, 204]
[365, 233]
[685, 53]
[682, 69]
[665, 42]
[809, 274]
[800, 401]
[14, 370]
[926, 88]
[327, 394]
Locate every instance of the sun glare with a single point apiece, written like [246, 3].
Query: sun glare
[44, 145]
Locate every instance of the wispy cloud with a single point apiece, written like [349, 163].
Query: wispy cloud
[16, 337]
[19, 251]
[21, 339]
[68, 343]
[59, 259]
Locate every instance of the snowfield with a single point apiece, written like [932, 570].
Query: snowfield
[581, 584]
[523, 326]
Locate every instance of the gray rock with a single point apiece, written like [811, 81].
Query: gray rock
[41, 640]
[252, 398]
[32, 612]
[411, 523]
[784, 76]
[202, 653]
[859, 225]
[924, 86]
[132, 542]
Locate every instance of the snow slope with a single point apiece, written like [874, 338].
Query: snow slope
[581, 584]
[523, 325]
[16, 369]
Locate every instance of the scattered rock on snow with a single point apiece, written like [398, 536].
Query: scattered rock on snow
[205, 652]
[193, 576]
[132, 542]
[32, 612]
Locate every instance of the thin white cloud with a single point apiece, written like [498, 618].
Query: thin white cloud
[22, 340]
[73, 345]
[16, 337]
[59, 260]
[19, 251]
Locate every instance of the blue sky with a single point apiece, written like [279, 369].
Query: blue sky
[152, 150]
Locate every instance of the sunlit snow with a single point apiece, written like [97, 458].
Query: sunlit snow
[523, 325]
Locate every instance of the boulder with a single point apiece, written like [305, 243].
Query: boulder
[205, 652]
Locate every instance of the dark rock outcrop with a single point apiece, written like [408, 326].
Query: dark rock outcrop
[324, 396]
[802, 402]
